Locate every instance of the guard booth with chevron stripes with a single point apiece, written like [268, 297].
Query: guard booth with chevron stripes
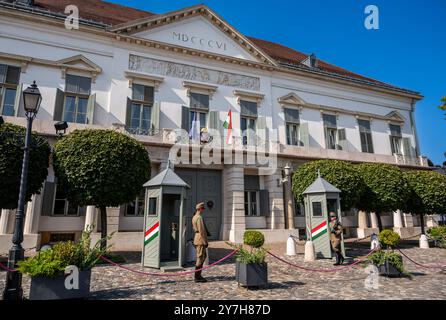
[321, 198]
[164, 241]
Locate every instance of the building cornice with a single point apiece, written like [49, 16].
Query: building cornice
[100, 30]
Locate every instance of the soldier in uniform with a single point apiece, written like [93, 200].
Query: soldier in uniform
[335, 238]
[200, 240]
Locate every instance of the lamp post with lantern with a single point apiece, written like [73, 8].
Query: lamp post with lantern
[13, 288]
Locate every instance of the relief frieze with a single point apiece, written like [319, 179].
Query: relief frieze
[188, 72]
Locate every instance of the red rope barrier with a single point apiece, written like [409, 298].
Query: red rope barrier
[169, 274]
[7, 269]
[418, 264]
[322, 270]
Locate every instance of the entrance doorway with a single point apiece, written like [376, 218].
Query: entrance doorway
[170, 227]
[205, 186]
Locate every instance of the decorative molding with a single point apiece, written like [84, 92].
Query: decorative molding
[357, 114]
[249, 96]
[199, 88]
[139, 25]
[147, 79]
[291, 99]
[65, 65]
[189, 72]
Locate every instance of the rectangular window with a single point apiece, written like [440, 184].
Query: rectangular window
[136, 207]
[141, 109]
[365, 135]
[152, 207]
[62, 207]
[77, 92]
[299, 209]
[331, 131]
[251, 203]
[199, 107]
[317, 209]
[248, 127]
[9, 79]
[199, 101]
[292, 126]
[395, 139]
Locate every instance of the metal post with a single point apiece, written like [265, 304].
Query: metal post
[13, 288]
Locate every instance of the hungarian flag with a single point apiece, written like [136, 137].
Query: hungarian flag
[228, 126]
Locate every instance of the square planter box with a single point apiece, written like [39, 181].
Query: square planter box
[251, 275]
[388, 270]
[45, 288]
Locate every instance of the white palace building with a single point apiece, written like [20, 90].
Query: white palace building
[148, 75]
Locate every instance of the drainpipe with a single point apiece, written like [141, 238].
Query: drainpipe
[414, 129]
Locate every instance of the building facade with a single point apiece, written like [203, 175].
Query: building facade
[155, 76]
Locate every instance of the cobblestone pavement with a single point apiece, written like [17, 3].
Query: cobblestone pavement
[285, 282]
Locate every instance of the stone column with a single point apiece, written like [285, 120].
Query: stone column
[373, 220]
[397, 220]
[4, 218]
[288, 196]
[408, 220]
[277, 213]
[33, 212]
[113, 219]
[362, 224]
[234, 221]
[91, 218]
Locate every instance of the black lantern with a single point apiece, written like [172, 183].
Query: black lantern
[61, 127]
[32, 99]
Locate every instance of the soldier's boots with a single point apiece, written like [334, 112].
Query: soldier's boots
[338, 260]
[198, 277]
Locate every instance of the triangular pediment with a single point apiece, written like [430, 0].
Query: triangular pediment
[292, 99]
[79, 61]
[197, 28]
[395, 116]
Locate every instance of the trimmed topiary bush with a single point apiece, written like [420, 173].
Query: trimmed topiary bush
[103, 168]
[252, 238]
[11, 158]
[341, 174]
[389, 238]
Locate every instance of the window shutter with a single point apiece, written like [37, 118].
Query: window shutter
[264, 202]
[48, 198]
[3, 70]
[90, 108]
[128, 112]
[18, 99]
[262, 132]
[185, 118]
[216, 125]
[407, 147]
[304, 135]
[58, 107]
[342, 140]
[155, 117]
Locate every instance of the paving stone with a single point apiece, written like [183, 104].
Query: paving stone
[285, 282]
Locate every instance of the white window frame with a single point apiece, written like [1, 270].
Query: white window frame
[66, 206]
[249, 213]
[137, 207]
[297, 127]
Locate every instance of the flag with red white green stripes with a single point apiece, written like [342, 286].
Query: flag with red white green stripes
[319, 230]
[152, 233]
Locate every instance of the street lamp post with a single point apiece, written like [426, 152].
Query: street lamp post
[13, 289]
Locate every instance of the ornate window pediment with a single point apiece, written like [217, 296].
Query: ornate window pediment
[146, 79]
[79, 63]
[395, 116]
[248, 96]
[291, 99]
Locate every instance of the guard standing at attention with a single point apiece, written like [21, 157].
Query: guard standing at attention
[335, 238]
[200, 240]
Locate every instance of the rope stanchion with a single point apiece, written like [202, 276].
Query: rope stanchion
[2, 266]
[168, 274]
[419, 264]
[341, 268]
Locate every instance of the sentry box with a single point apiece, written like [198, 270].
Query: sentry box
[164, 241]
[321, 198]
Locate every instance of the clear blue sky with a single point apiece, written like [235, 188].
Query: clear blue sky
[409, 49]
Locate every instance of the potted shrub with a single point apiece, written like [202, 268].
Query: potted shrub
[251, 268]
[47, 269]
[388, 262]
[438, 234]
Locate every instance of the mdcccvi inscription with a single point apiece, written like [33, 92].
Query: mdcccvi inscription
[188, 72]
